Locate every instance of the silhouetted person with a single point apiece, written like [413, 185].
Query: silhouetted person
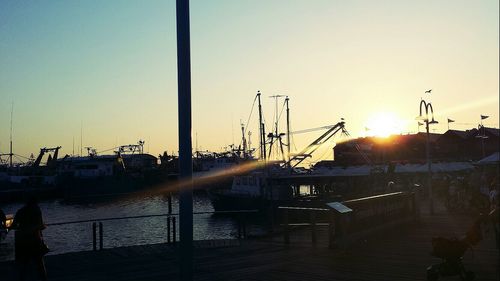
[3, 225]
[29, 249]
[3, 220]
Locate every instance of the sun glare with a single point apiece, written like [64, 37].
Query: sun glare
[384, 124]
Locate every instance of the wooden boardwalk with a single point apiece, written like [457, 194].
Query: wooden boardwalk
[398, 254]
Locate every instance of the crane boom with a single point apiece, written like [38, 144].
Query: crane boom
[312, 147]
[311, 130]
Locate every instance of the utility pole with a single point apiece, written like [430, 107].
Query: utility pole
[185, 142]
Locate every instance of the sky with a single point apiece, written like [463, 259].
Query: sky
[103, 73]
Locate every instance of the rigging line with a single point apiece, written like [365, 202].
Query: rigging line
[323, 155]
[19, 159]
[282, 109]
[278, 117]
[473, 124]
[21, 156]
[292, 137]
[249, 116]
[107, 150]
[356, 145]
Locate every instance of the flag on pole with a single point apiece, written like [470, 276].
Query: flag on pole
[484, 117]
[450, 121]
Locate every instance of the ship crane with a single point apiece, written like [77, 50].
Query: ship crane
[312, 147]
[51, 159]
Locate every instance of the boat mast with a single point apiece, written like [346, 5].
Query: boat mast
[11, 155]
[243, 140]
[287, 128]
[262, 134]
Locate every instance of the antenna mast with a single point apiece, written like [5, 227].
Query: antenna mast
[11, 155]
[81, 138]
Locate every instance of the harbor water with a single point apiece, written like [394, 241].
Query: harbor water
[116, 233]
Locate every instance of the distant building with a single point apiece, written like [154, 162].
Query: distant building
[454, 145]
[469, 145]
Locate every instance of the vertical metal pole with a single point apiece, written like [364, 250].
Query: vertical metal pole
[262, 134]
[185, 149]
[174, 231]
[168, 230]
[100, 236]
[333, 228]
[287, 228]
[94, 236]
[313, 226]
[288, 131]
[244, 227]
[11, 154]
[239, 227]
[170, 203]
[429, 172]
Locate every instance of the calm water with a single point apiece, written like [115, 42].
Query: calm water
[78, 237]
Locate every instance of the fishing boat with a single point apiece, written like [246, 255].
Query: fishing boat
[129, 169]
[254, 190]
[268, 185]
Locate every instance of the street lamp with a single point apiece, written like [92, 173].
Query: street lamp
[428, 109]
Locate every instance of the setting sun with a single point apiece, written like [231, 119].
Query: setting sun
[384, 124]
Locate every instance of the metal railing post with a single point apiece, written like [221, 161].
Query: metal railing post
[244, 227]
[170, 203]
[100, 236]
[239, 227]
[168, 229]
[174, 230]
[94, 236]
[313, 226]
[414, 205]
[333, 228]
[287, 228]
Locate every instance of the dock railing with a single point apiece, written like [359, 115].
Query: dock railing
[351, 220]
[97, 225]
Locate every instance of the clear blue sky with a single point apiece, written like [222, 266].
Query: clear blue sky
[110, 67]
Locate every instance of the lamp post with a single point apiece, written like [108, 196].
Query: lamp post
[428, 110]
